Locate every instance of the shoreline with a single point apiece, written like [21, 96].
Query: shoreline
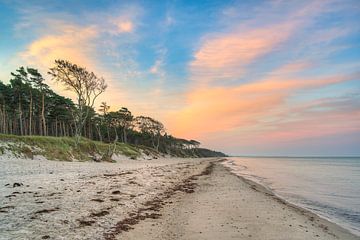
[186, 207]
[266, 190]
[302, 210]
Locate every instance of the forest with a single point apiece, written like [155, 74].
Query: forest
[28, 106]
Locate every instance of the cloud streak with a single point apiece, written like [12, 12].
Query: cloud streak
[225, 57]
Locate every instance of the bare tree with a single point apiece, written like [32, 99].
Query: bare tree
[85, 84]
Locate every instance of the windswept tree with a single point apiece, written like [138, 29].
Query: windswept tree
[194, 144]
[126, 122]
[151, 127]
[86, 85]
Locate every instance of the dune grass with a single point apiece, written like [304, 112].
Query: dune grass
[64, 148]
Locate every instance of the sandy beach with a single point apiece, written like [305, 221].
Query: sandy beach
[225, 206]
[157, 199]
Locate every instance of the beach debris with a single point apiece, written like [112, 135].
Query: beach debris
[47, 210]
[152, 207]
[84, 223]
[16, 184]
[99, 214]
[6, 208]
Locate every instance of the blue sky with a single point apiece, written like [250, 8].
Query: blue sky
[246, 77]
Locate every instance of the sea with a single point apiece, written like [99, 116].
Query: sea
[327, 186]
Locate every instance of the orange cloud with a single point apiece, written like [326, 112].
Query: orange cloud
[311, 124]
[247, 106]
[123, 27]
[294, 127]
[72, 42]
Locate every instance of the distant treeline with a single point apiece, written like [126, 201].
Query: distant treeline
[29, 107]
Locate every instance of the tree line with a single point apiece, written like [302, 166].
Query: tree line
[28, 106]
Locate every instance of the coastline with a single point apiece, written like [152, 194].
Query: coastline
[157, 199]
[261, 188]
[261, 185]
[209, 214]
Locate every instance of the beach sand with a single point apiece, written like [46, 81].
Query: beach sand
[157, 199]
[225, 206]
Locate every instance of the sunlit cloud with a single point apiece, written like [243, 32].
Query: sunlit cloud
[225, 57]
[72, 42]
[85, 45]
[155, 69]
[226, 108]
[125, 26]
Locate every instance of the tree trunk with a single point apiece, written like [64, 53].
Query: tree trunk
[1, 121]
[20, 117]
[99, 132]
[40, 126]
[63, 129]
[30, 114]
[124, 134]
[108, 133]
[158, 143]
[43, 121]
[56, 127]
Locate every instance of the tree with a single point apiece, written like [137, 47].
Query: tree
[59, 115]
[86, 85]
[17, 84]
[126, 121]
[5, 101]
[152, 127]
[104, 108]
[38, 81]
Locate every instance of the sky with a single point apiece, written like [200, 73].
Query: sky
[250, 77]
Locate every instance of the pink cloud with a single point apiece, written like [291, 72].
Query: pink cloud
[241, 108]
[225, 56]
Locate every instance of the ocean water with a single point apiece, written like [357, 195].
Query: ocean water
[327, 186]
